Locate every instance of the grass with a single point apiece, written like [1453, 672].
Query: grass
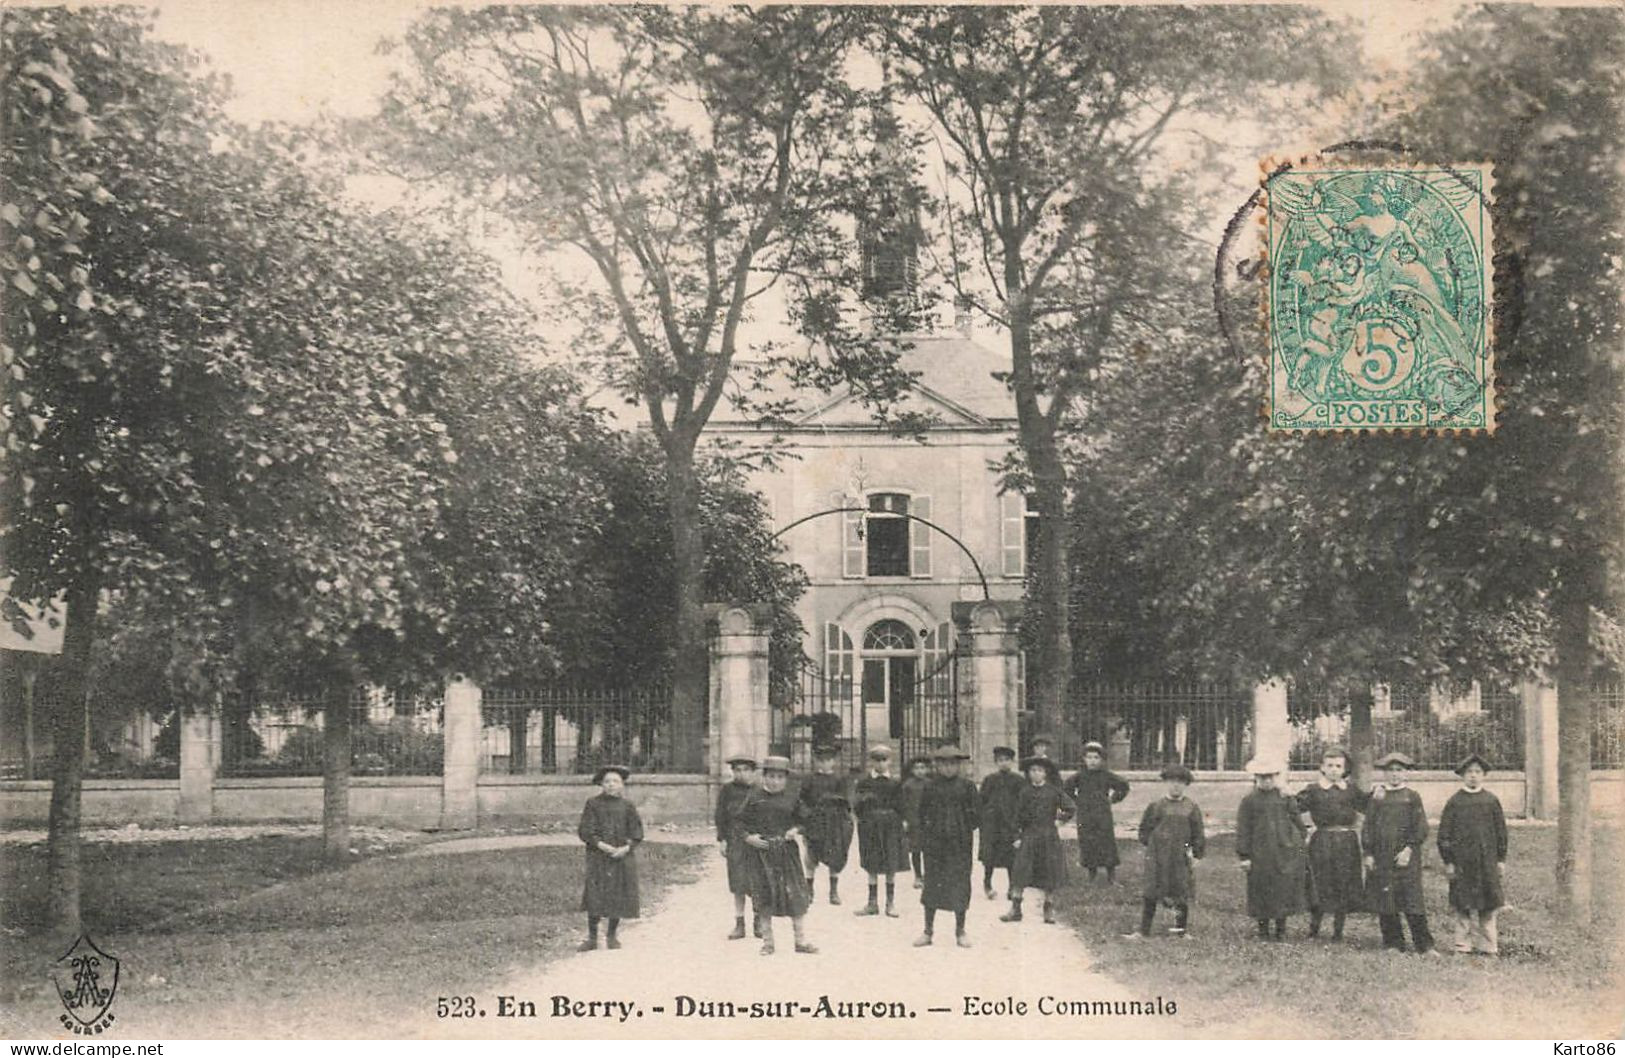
[1553, 980]
[254, 938]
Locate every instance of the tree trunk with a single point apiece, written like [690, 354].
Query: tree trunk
[68, 739]
[1361, 737]
[690, 667]
[1574, 757]
[336, 771]
[1049, 587]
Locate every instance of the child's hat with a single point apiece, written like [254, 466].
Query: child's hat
[912, 764]
[1004, 752]
[778, 764]
[1095, 746]
[1388, 760]
[1334, 751]
[741, 760]
[619, 769]
[950, 753]
[1259, 766]
[1051, 769]
[880, 753]
[1176, 771]
[1472, 758]
[825, 752]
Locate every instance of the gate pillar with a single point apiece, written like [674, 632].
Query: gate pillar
[989, 677]
[740, 715]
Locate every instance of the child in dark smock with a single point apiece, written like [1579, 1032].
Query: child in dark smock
[882, 849]
[1333, 805]
[1095, 790]
[827, 820]
[611, 830]
[1395, 828]
[1001, 796]
[1473, 846]
[1040, 861]
[1171, 831]
[778, 888]
[919, 776]
[1269, 840]
[730, 802]
[948, 819]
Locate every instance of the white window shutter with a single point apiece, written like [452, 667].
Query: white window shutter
[851, 536]
[1013, 532]
[920, 537]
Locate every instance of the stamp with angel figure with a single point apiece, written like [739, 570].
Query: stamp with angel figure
[1380, 306]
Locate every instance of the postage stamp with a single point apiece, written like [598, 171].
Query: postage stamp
[1380, 305]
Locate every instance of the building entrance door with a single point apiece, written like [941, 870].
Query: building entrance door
[890, 671]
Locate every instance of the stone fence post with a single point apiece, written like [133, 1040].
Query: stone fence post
[1539, 702]
[989, 677]
[740, 716]
[460, 759]
[200, 762]
[1272, 731]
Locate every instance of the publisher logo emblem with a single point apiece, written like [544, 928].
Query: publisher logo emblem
[86, 980]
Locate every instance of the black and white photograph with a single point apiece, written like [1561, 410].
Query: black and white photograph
[620, 522]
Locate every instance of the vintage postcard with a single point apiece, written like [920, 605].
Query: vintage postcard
[753, 522]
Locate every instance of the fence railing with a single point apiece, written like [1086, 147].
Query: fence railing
[1434, 726]
[391, 733]
[574, 730]
[1203, 726]
[1608, 725]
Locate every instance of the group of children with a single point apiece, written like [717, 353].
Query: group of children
[1328, 849]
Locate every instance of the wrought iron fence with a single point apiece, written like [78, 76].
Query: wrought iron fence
[819, 710]
[1147, 725]
[1608, 725]
[1434, 726]
[391, 733]
[575, 730]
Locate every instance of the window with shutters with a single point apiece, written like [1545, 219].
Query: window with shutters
[1018, 533]
[886, 535]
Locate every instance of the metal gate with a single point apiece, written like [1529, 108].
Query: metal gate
[825, 710]
[932, 719]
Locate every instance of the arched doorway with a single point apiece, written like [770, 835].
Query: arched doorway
[891, 656]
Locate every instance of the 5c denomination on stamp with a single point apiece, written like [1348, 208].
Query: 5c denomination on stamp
[1380, 304]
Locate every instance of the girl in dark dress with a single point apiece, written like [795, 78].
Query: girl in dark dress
[1171, 831]
[948, 819]
[611, 830]
[1095, 790]
[878, 801]
[1000, 796]
[1040, 860]
[919, 776]
[730, 802]
[1269, 840]
[1333, 805]
[1395, 828]
[778, 888]
[827, 816]
[1473, 846]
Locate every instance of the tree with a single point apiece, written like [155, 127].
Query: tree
[687, 157]
[1051, 120]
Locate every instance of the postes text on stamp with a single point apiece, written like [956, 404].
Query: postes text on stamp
[1380, 307]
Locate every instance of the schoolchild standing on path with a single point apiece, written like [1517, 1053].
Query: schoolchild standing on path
[919, 775]
[778, 888]
[1473, 846]
[1000, 796]
[1095, 790]
[610, 829]
[827, 815]
[1040, 861]
[878, 800]
[1171, 831]
[1269, 840]
[1333, 805]
[1395, 828]
[948, 820]
[730, 803]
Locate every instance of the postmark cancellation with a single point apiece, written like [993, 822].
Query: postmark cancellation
[1379, 309]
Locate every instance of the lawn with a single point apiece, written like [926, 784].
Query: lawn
[254, 938]
[1552, 981]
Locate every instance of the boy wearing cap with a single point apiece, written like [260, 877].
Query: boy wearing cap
[1395, 828]
[1333, 806]
[1172, 832]
[1473, 846]
[778, 888]
[948, 820]
[730, 802]
[878, 801]
[1095, 790]
[1269, 840]
[610, 829]
[919, 776]
[828, 816]
[1040, 861]
[1000, 797]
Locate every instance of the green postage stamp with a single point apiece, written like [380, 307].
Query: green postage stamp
[1380, 307]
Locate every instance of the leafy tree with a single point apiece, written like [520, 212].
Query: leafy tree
[1051, 121]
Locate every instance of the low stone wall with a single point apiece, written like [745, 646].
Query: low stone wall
[104, 803]
[408, 801]
[509, 800]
